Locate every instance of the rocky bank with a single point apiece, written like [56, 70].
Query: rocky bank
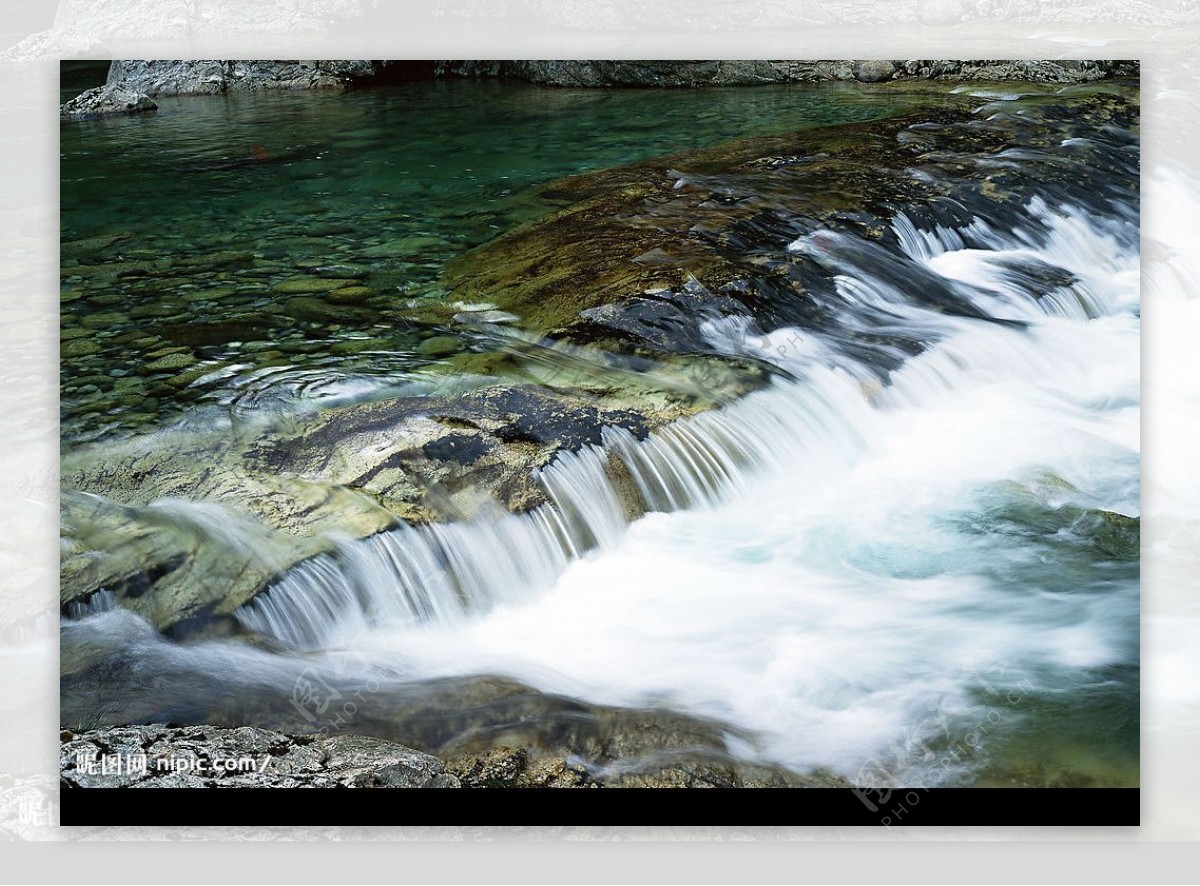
[684, 74]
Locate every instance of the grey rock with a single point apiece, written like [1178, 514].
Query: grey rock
[216, 76]
[669, 320]
[167, 756]
[106, 101]
[873, 71]
[608, 73]
[159, 756]
[283, 490]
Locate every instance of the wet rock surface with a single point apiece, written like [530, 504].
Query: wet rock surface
[248, 506]
[641, 257]
[204, 756]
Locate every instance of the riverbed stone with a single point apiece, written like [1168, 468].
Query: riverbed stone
[306, 285]
[439, 346]
[185, 378]
[404, 246]
[350, 295]
[104, 320]
[78, 347]
[168, 362]
[352, 346]
[317, 310]
[339, 269]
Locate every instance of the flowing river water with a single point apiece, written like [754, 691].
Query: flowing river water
[917, 574]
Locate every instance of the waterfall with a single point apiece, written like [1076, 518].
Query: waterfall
[102, 600]
[812, 425]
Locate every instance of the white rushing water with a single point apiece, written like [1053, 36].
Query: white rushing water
[837, 563]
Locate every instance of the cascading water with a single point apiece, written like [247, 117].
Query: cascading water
[875, 576]
[907, 530]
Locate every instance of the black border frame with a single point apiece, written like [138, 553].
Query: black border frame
[605, 806]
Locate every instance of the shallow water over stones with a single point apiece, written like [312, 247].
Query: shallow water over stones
[228, 244]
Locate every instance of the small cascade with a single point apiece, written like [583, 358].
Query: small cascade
[415, 574]
[304, 607]
[441, 572]
[1063, 265]
[810, 425]
[102, 600]
[584, 499]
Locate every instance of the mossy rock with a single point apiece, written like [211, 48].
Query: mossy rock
[350, 470]
[439, 346]
[169, 362]
[1118, 535]
[357, 346]
[307, 285]
[185, 378]
[78, 347]
[317, 310]
[633, 229]
[350, 295]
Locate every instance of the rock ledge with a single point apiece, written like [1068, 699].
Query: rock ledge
[111, 100]
[205, 756]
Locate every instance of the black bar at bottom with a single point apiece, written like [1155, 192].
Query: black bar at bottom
[604, 806]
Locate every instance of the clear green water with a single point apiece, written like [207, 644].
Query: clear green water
[214, 202]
